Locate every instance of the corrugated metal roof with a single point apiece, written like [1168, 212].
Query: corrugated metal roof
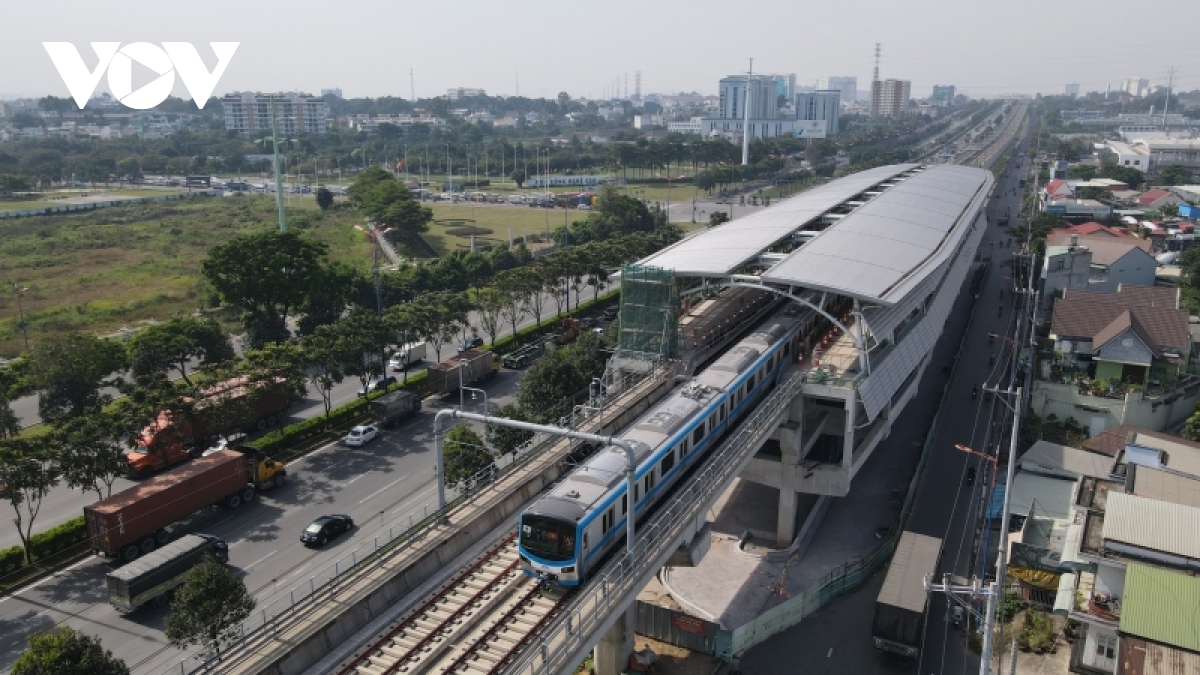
[727, 247]
[1139, 657]
[1071, 460]
[1045, 497]
[915, 556]
[1161, 605]
[1153, 524]
[888, 246]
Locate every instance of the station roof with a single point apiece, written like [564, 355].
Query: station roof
[728, 247]
[887, 247]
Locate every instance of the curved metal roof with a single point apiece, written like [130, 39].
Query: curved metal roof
[724, 249]
[885, 248]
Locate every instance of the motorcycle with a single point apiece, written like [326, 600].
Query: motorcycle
[974, 391]
[971, 475]
[992, 359]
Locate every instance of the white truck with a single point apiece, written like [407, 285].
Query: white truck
[408, 355]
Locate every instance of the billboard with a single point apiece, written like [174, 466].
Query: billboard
[809, 129]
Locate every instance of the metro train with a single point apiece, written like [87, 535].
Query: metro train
[569, 530]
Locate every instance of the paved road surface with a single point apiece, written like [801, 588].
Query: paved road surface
[393, 475]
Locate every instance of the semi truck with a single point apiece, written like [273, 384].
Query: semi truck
[138, 520]
[898, 627]
[168, 441]
[151, 579]
[394, 407]
[465, 369]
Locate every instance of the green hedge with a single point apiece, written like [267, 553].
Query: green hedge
[283, 439]
[522, 337]
[44, 544]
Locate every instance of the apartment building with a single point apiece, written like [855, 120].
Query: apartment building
[249, 113]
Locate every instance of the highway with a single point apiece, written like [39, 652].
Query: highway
[62, 503]
[837, 639]
[380, 485]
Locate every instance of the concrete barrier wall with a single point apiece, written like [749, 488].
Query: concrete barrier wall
[64, 208]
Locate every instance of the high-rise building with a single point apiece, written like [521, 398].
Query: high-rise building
[889, 97]
[821, 105]
[337, 93]
[785, 85]
[942, 95]
[847, 84]
[456, 93]
[763, 101]
[249, 113]
[1071, 90]
[1135, 86]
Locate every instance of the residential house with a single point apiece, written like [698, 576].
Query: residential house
[1093, 228]
[1058, 188]
[1120, 358]
[1097, 262]
[1157, 198]
[1112, 442]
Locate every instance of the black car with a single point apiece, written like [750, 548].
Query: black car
[325, 528]
[611, 313]
[470, 343]
[588, 323]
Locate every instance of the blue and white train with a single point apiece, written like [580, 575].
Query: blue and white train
[570, 529]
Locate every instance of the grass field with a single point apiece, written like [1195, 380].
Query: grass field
[499, 218]
[98, 271]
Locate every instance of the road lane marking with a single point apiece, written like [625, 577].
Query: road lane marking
[357, 477]
[385, 487]
[260, 560]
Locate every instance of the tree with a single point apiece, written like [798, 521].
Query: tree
[464, 455]
[66, 651]
[1174, 174]
[717, 217]
[70, 370]
[1191, 429]
[362, 343]
[171, 345]
[491, 303]
[10, 424]
[518, 177]
[27, 472]
[148, 413]
[322, 351]
[266, 274]
[386, 202]
[90, 452]
[507, 439]
[208, 607]
[329, 296]
[324, 198]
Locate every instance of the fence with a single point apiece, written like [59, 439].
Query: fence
[288, 603]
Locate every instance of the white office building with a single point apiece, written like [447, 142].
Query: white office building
[824, 105]
[846, 84]
[1071, 90]
[763, 101]
[249, 113]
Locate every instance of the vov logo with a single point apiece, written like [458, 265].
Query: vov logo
[172, 57]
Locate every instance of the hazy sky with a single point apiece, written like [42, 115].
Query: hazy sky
[367, 47]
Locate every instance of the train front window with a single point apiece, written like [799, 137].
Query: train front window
[548, 539]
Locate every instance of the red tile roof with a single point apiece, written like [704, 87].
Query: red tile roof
[1085, 314]
[1112, 441]
[1092, 227]
[1150, 196]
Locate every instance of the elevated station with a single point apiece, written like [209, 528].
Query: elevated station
[879, 256]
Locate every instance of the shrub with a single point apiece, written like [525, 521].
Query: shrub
[58, 539]
[11, 559]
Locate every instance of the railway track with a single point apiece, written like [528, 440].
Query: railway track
[471, 624]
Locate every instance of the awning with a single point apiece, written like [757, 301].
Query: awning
[996, 506]
[1064, 600]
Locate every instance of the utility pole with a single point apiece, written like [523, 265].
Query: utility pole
[1170, 86]
[746, 117]
[278, 184]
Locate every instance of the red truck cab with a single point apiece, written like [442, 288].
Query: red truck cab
[160, 445]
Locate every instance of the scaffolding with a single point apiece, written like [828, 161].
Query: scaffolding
[649, 313]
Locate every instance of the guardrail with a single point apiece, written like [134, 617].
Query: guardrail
[559, 647]
[293, 601]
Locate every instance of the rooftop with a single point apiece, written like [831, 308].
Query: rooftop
[1161, 605]
[1112, 441]
[1106, 248]
[1069, 460]
[1084, 314]
[1166, 486]
[1152, 525]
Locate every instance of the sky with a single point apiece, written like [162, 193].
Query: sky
[370, 47]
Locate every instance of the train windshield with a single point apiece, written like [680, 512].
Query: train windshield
[548, 539]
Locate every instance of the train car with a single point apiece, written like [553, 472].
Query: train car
[569, 530]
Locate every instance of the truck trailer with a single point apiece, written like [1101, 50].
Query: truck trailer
[136, 521]
[469, 367]
[151, 579]
[168, 441]
[899, 624]
[394, 407]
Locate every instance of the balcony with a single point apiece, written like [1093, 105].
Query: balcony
[1095, 605]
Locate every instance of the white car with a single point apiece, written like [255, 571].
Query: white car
[360, 436]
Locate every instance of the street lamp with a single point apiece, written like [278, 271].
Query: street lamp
[18, 291]
[474, 395]
[461, 400]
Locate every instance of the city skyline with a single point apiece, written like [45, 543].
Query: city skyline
[371, 50]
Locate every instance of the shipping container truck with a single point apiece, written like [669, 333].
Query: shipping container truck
[899, 623]
[136, 521]
[151, 579]
[167, 441]
[469, 367]
[394, 407]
